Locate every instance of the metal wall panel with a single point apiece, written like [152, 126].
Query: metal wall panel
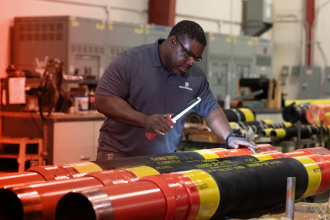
[154, 32]
[87, 46]
[216, 63]
[37, 37]
[243, 64]
[263, 53]
[309, 81]
[327, 79]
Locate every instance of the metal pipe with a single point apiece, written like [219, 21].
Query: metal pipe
[290, 197]
[46, 195]
[69, 171]
[218, 21]
[173, 195]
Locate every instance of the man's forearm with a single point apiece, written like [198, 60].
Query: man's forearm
[218, 123]
[119, 110]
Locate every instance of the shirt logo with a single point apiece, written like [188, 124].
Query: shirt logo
[186, 86]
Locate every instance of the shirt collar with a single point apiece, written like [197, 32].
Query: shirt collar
[155, 59]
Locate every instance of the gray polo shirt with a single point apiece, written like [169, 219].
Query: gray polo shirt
[138, 77]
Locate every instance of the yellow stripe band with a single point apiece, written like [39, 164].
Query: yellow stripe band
[209, 193]
[232, 125]
[143, 171]
[207, 154]
[280, 133]
[267, 131]
[312, 101]
[314, 178]
[268, 121]
[85, 167]
[249, 116]
[287, 124]
[262, 157]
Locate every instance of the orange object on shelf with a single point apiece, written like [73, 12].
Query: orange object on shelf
[316, 113]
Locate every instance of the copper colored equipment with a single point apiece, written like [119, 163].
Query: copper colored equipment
[68, 171]
[47, 194]
[195, 194]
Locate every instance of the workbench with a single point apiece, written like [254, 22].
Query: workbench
[68, 137]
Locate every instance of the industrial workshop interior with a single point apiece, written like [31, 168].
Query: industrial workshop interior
[164, 109]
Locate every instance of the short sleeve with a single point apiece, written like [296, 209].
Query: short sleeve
[115, 79]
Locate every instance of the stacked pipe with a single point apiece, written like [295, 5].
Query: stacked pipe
[267, 132]
[68, 171]
[305, 131]
[39, 200]
[258, 126]
[195, 194]
[317, 113]
[293, 113]
[240, 114]
[233, 115]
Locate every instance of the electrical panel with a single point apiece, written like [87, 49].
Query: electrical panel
[228, 58]
[327, 79]
[87, 46]
[309, 81]
[263, 53]
[243, 61]
[216, 63]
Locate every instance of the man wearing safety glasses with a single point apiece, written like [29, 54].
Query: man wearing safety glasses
[145, 84]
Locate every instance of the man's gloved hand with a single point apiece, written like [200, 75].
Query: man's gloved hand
[235, 142]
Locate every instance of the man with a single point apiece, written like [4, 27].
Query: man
[144, 84]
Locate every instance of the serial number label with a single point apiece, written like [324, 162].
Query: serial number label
[172, 157]
[202, 186]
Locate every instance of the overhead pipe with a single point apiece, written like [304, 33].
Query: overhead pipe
[310, 14]
[16, 200]
[195, 194]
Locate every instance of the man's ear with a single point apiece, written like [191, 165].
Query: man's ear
[173, 40]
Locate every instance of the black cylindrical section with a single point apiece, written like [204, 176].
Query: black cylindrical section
[292, 132]
[234, 115]
[313, 129]
[247, 123]
[78, 207]
[326, 130]
[258, 185]
[11, 208]
[170, 158]
[292, 113]
[205, 164]
[276, 125]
